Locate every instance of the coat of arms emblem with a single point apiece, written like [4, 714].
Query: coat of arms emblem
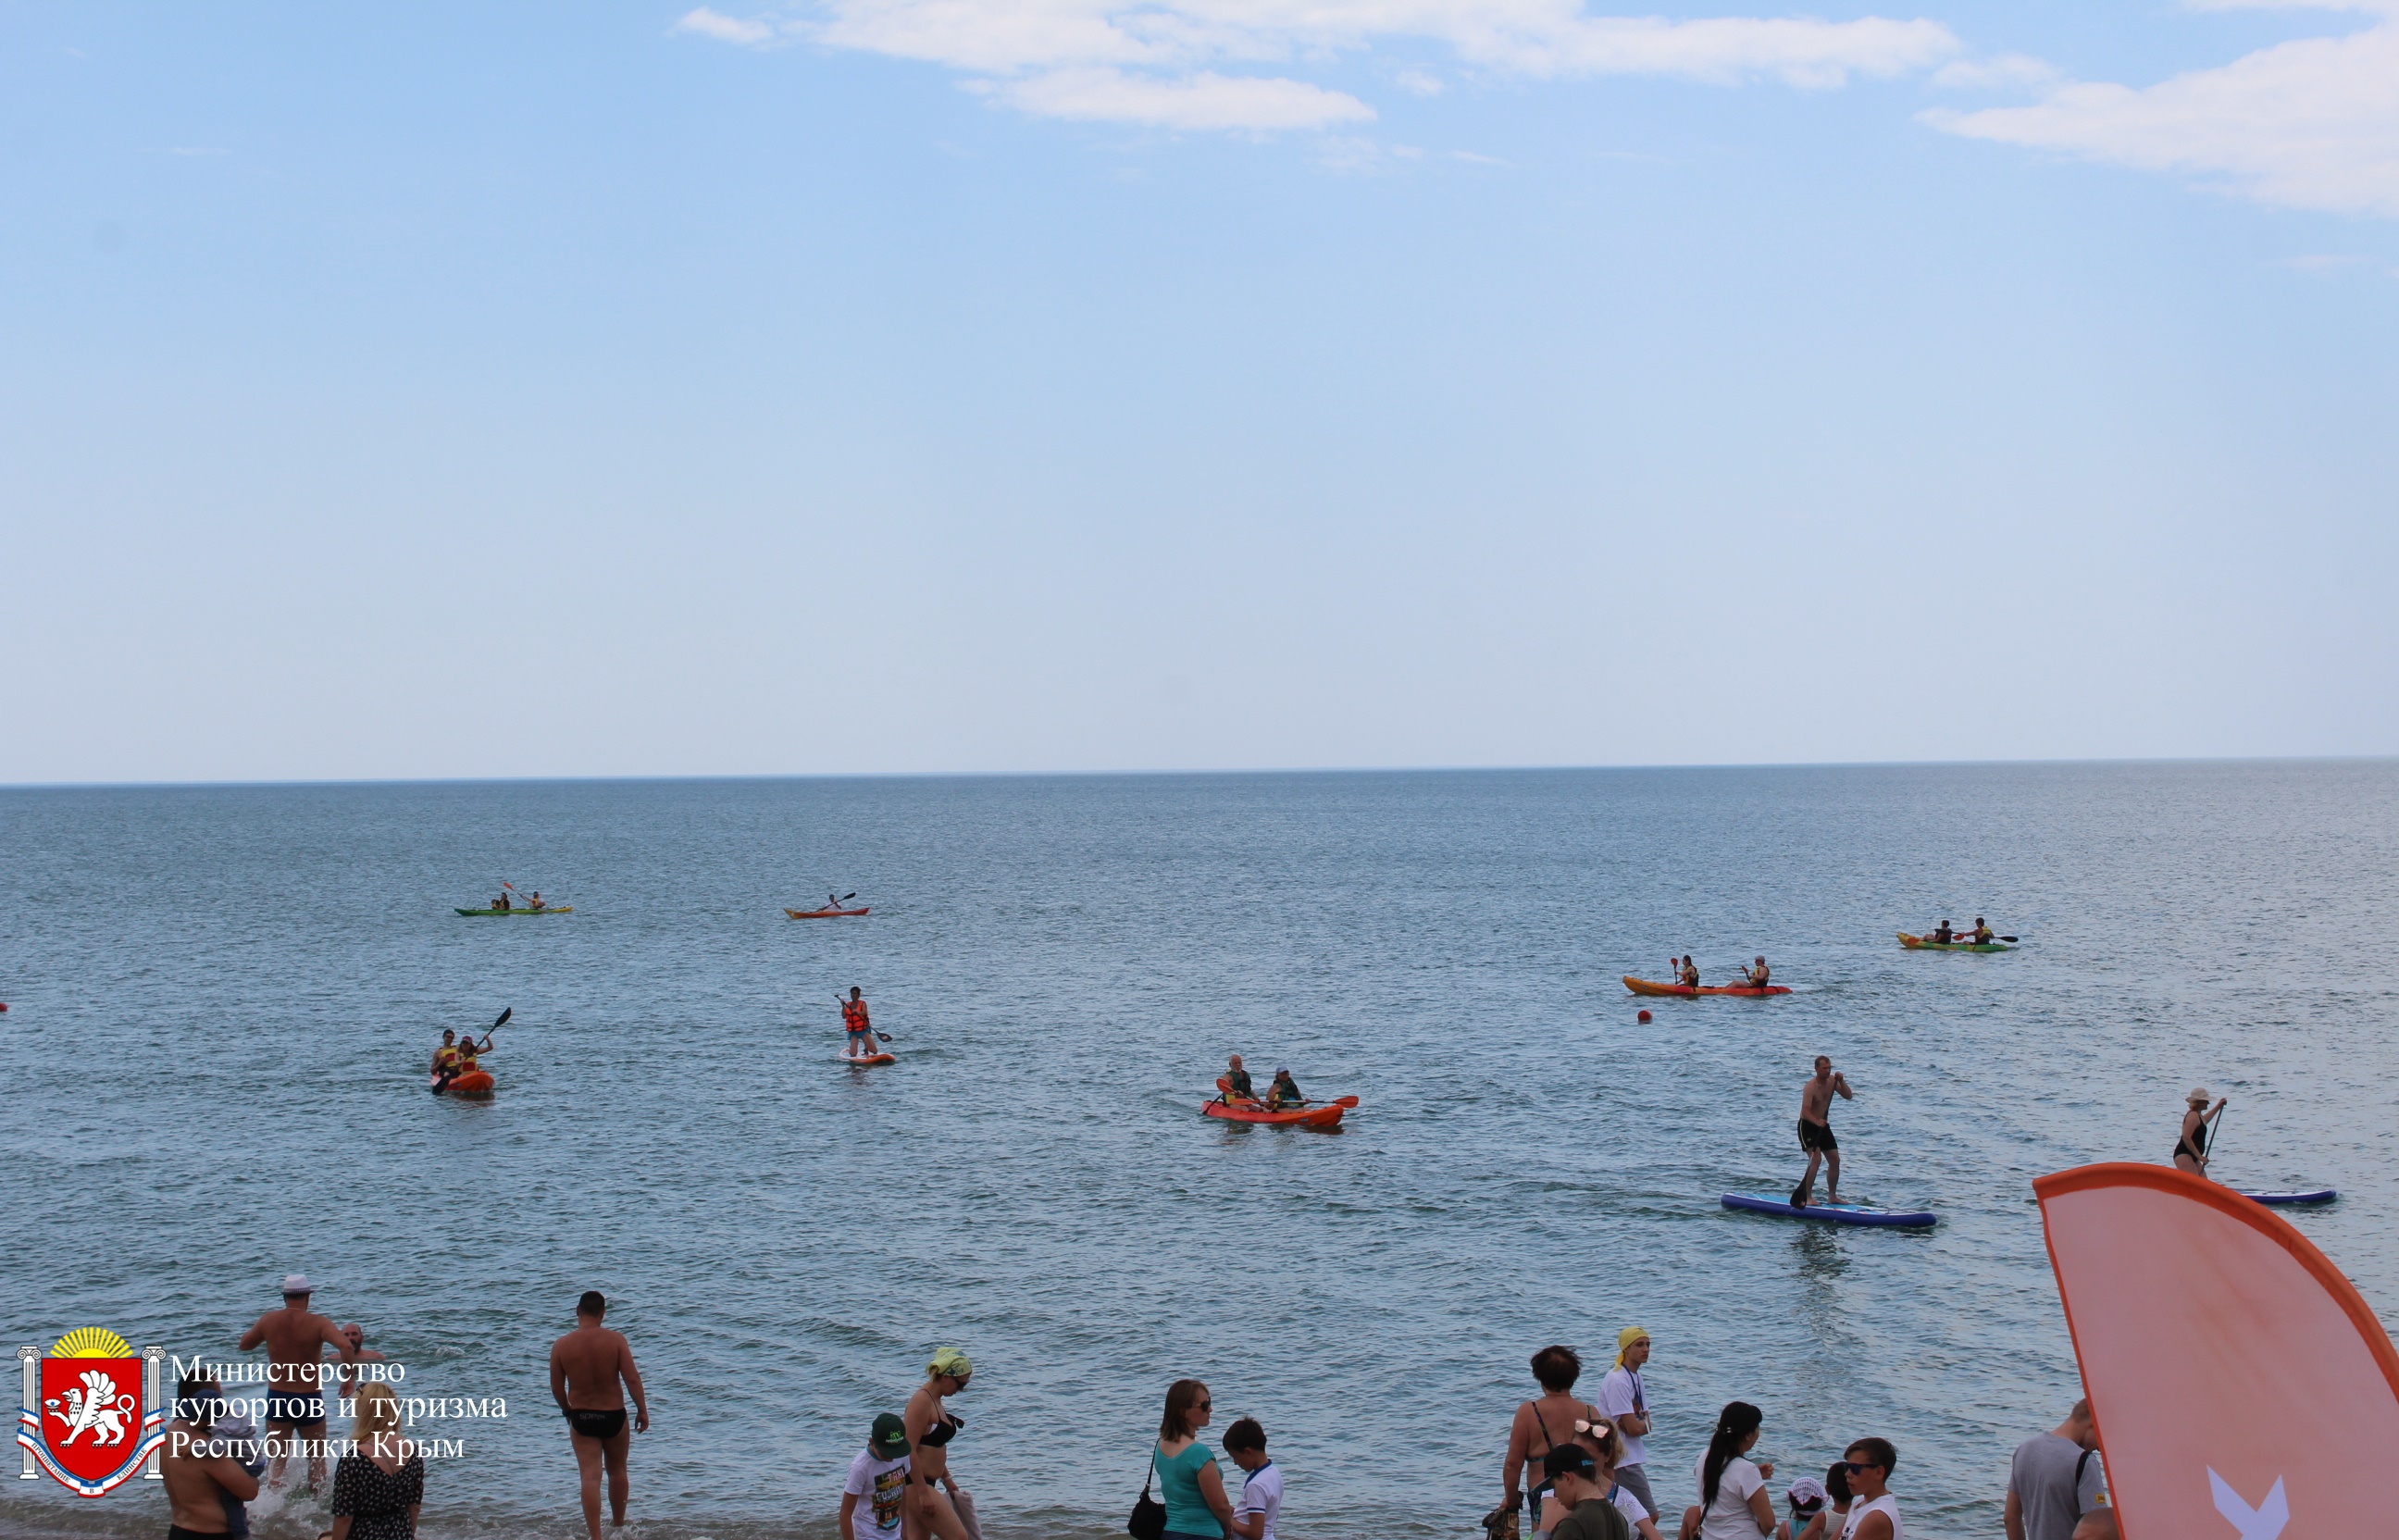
[84, 1418]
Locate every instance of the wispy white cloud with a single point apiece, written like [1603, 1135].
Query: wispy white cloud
[2000, 73]
[726, 29]
[1171, 61]
[1203, 101]
[2308, 123]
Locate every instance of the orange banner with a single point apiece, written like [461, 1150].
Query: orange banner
[2243, 1388]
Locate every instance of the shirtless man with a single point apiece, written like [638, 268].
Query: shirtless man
[586, 1367]
[1816, 1131]
[295, 1338]
[1758, 975]
[346, 1369]
[201, 1472]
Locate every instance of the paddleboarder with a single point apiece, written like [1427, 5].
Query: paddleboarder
[860, 1041]
[2190, 1150]
[1816, 1095]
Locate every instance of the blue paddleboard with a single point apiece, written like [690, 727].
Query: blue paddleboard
[1832, 1214]
[2286, 1200]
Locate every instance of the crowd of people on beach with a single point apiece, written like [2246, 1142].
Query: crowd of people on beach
[1570, 1469]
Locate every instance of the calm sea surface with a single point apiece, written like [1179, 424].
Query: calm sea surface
[222, 1001]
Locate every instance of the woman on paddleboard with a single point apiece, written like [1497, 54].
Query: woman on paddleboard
[2190, 1150]
[930, 1425]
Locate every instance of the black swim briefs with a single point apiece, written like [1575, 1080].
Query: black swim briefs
[305, 1409]
[1816, 1136]
[591, 1424]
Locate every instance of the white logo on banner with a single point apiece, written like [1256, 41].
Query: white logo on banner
[2263, 1522]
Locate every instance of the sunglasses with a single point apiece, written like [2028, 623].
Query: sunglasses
[1853, 1466]
[1204, 1406]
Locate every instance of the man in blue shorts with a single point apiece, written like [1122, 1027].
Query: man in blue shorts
[296, 1339]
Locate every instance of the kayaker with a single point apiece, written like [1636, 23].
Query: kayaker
[536, 902]
[1688, 973]
[2190, 1150]
[1816, 1131]
[502, 902]
[1941, 935]
[447, 1054]
[465, 1065]
[853, 1021]
[1237, 1082]
[1757, 976]
[1283, 1091]
[1982, 932]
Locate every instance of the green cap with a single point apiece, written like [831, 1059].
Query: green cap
[890, 1439]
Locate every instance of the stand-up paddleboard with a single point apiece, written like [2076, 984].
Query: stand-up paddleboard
[1647, 986]
[862, 1060]
[1833, 1214]
[2293, 1199]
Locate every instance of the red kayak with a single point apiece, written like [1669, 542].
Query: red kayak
[1644, 986]
[824, 914]
[1308, 1117]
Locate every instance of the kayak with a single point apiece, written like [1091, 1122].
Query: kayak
[551, 908]
[1919, 943]
[862, 1060]
[824, 914]
[1832, 1214]
[1644, 986]
[2286, 1200]
[1306, 1117]
[474, 1084]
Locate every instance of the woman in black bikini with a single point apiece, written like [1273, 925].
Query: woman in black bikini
[1542, 1424]
[931, 1426]
[2190, 1150]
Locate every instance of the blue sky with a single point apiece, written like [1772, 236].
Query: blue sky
[922, 384]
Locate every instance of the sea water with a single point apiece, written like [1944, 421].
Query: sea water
[222, 1001]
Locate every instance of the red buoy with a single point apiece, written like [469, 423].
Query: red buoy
[1643, 1017]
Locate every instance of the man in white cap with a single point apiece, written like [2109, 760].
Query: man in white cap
[295, 1338]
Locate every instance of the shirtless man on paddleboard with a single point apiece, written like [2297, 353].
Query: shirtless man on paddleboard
[1816, 1095]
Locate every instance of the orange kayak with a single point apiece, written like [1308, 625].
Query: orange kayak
[824, 914]
[474, 1083]
[1644, 986]
[1306, 1117]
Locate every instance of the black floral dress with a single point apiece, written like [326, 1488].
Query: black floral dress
[378, 1502]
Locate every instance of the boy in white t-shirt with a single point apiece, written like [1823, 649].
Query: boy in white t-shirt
[880, 1474]
[1261, 1498]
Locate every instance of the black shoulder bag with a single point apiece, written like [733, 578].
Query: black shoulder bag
[1149, 1520]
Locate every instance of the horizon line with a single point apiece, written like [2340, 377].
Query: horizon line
[1191, 773]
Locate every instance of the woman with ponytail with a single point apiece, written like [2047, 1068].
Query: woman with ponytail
[1733, 1504]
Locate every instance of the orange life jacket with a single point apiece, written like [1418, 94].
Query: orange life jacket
[853, 1015]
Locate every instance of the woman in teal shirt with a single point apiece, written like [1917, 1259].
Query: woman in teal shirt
[1187, 1478]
